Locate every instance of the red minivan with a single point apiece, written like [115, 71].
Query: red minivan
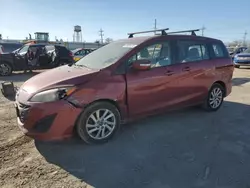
[124, 80]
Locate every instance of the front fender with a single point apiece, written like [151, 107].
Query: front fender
[110, 89]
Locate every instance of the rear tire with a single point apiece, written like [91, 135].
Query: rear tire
[5, 69]
[98, 123]
[214, 98]
[237, 66]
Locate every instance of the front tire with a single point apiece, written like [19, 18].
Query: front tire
[98, 123]
[215, 98]
[5, 69]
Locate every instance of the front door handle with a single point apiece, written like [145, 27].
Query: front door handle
[186, 69]
[169, 73]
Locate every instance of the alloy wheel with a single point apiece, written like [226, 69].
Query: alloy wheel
[4, 69]
[216, 97]
[100, 124]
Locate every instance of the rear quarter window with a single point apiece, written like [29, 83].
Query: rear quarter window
[219, 50]
[63, 51]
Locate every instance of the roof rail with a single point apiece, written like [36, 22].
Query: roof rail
[185, 31]
[163, 32]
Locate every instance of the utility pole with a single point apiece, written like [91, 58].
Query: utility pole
[244, 38]
[101, 34]
[202, 30]
[155, 25]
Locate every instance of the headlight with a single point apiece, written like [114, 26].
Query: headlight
[52, 94]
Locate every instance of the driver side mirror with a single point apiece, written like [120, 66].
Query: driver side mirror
[142, 64]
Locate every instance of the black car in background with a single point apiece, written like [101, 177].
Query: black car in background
[34, 56]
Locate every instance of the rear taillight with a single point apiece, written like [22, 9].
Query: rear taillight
[70, 54]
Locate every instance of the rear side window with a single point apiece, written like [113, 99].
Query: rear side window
[189, 51]
[218, 50]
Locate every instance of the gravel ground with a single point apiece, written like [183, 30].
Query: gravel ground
[187, 148]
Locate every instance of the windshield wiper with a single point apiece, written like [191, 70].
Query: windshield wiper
[80, 65]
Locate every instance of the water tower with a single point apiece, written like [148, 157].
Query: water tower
[77, 37]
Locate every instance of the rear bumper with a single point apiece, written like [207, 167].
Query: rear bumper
[48, 122]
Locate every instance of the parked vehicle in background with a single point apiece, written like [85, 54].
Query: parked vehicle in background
[122, 81]
[236, 50]
[80, 52]
[230, 50]
[1, 49]
[34, 56]
[242, 59]
[10, 47]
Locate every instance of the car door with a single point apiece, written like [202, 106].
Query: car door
[152, 90]
[20, 58]
[196, 70]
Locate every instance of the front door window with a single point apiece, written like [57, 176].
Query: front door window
[158, 54]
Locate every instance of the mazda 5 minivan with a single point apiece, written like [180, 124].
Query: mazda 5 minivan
[124, 80]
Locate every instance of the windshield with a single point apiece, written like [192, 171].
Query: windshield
[24, 49]
[106, 55]
[246, 51]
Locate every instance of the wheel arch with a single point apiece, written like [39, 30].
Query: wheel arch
[113, 102]
[8, 63]
[223, 85]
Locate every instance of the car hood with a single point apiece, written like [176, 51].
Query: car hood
[61, 76]
[243, 55]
